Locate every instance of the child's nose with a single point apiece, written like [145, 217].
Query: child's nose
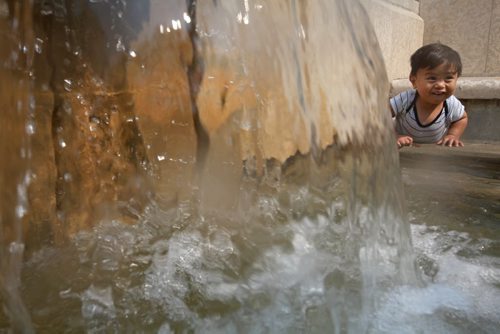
[440, 83]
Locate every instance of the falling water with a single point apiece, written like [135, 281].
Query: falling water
[206, 166]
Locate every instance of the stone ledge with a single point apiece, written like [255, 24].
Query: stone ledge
[481, 88]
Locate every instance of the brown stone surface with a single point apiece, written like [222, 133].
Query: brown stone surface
[114, 115]
[157, 79]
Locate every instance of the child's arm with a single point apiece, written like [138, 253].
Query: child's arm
[402, 140]
[452, 138]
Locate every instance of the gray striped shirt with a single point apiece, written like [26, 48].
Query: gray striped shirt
[407, 122]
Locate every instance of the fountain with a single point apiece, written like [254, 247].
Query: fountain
[197, 166]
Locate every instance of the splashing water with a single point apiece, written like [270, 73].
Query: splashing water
[247, 143]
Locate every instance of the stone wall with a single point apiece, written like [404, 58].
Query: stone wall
[472, 27]
[399, 30]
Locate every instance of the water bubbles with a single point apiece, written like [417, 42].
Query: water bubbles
[62, 143]
[38, 45]
[95, 120]
[242, 18]
[161, 157]
[46, 8]
[67, 85]
[176, 24]
[98, 306]
[30, 127]
[16, 247]
[132, 54]
[428, 266]
[120, 47]
[20, 211]
[68, 177]
[186, 17]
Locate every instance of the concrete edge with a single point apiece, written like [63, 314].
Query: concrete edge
[482, 88]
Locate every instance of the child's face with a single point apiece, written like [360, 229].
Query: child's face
[435, 85]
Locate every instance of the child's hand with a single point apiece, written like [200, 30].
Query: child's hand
[450, 140]
[404, 141]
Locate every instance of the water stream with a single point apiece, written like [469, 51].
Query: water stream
[201, 166]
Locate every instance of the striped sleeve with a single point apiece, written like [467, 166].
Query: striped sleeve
[401, 101]
[455, 108]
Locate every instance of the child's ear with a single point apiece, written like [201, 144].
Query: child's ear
[413, 80]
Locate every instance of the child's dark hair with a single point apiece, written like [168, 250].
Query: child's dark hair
[433, 55]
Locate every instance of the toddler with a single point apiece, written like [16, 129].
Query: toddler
[429, 113]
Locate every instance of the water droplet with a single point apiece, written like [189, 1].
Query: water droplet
[67, 85]
[62, 143]
[120, 47]
[161, 29]
[68, 177]
[120, 14]
[30, 127]
[160, 157]
[32, 102]
[20, 211]
[186, 17]
[38, 45]
[132, 54]
[176, 24]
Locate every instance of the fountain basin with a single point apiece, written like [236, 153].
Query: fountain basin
[453, 201]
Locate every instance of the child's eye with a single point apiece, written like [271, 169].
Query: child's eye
[431, 78]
